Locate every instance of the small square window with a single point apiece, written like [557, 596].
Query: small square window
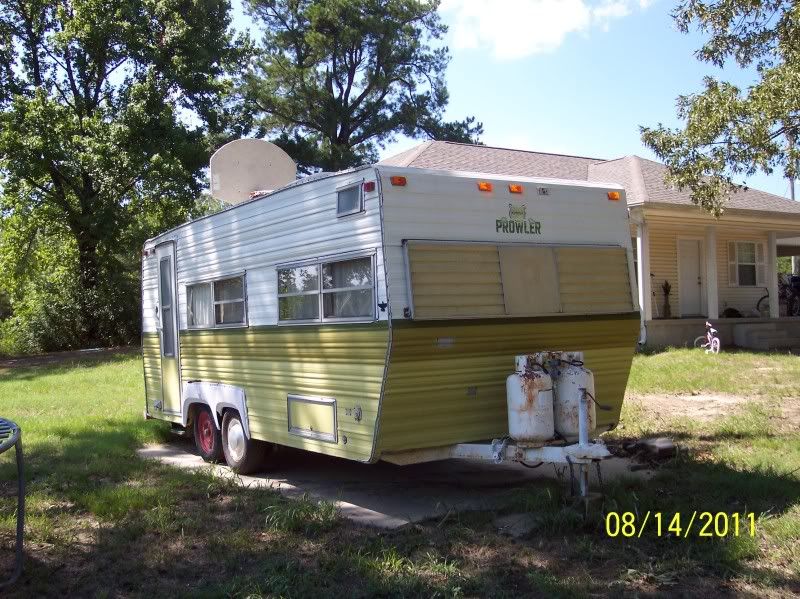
[349, 201]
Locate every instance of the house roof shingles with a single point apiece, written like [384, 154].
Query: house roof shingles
[643, 179]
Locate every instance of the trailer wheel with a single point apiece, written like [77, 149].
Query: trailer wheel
[243, 455]
[207, 436]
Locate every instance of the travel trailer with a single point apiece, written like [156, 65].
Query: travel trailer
[383, 313]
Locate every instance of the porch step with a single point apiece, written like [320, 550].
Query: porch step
[765, 336]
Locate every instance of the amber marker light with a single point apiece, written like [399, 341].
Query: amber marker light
[484, 186]
[398, 181]
[614, 196]
[515, 188]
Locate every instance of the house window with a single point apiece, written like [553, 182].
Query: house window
[217, 303]
[746, 266]
[327, 291]
[349, 201]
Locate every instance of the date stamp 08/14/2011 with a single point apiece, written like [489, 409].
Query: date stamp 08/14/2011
[677, 525]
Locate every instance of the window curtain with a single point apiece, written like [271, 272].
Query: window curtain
[199, 305]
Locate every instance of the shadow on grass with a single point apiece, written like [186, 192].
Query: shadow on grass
[30, 368]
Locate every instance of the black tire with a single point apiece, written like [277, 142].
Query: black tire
[207, 437]
[763, 304]
[243, 455]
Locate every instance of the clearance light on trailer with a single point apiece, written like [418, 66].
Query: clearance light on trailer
[369, 186]
[515, 188]
[398, 181]
[613, 196]
[484, 186]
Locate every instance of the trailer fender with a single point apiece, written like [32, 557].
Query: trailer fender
[216, 396]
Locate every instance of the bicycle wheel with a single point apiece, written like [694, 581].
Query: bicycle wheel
[714, 349]
[763, 304]
[699, 341]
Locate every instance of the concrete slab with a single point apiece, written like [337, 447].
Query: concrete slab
[384, 495]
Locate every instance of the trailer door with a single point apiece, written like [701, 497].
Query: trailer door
[168, 330]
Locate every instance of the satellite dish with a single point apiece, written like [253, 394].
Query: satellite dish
[244, 166]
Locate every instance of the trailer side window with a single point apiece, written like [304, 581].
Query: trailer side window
[347, 289]
[298, 293]
[349, 201]
[327, 291]
[217, 303]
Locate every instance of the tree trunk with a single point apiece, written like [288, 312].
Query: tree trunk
[89, 281]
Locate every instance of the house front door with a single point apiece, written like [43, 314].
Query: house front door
[690, 269]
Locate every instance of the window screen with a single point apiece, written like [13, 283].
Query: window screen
[348, 201]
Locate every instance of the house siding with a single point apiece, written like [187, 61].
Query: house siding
[664, 235]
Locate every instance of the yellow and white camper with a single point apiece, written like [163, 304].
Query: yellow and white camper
[377, 313]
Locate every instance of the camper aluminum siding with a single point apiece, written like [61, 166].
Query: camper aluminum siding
[271, 360]
[446, 377]
[417, 376]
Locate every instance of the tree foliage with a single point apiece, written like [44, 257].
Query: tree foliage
[732, 133]
[106, 107]
[338, 79]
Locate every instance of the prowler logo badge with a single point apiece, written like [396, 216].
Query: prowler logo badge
[518, 222]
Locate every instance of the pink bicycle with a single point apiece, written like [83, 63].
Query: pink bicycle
[709, 341]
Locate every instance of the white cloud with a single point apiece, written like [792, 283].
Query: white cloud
[514, 29]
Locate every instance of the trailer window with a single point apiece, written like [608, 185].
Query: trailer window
[327, 291]
[347, 289]
[229, 301]
[298, 293]
[217, 303]
[349, 201]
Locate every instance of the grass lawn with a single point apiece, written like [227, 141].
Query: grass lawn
[101, 522]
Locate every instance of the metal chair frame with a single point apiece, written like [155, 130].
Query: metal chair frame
[11, 436]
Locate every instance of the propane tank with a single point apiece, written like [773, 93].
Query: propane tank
[529, 393]
[571, 380]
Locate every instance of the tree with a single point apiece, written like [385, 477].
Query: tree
[105, 111]
[338, 79]
[729, 132]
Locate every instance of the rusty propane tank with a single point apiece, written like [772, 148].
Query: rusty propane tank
[571, 379]
[529, 393]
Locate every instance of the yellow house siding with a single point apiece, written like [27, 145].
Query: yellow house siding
[664, 234]
[664, 264]
[743, 299]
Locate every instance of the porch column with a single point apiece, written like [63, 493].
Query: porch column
[643, 270]
[712, 292]
[772, 275]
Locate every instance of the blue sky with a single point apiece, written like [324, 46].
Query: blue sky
[571, 76]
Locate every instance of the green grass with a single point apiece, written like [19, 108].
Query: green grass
[103, 522]
[692, 370]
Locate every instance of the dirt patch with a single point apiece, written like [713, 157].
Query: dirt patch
[706, 407]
